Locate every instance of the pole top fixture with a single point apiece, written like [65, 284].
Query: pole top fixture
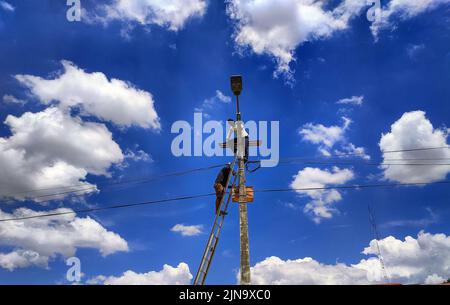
[236, 84]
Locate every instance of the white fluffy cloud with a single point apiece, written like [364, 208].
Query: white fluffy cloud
[402, 10]
[414, 130]
[187, 230]
[169, 275]
[304, 271]
[425, 259]
[411, 260]
[323, 135]
[39, 239]
[172, 14]
[22, 259]
[277, 27]
[327, 137]
[322, 202]
[110, 100]
[52, 149]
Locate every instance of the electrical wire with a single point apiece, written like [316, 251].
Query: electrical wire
[86, 189]
[414, 149]
[119, 206]
[355, 186]
[71, 190]
[363, 163]
[388, 151]
[144, 179]
[111, 207]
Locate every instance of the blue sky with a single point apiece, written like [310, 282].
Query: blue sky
[404, 69]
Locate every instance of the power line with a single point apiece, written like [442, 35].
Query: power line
[81, 191]
[385, 152]
[119, 206]
[137, 181]
[355, 186]
[111, 207]
[215, 166]
[415, 149]
[363, 163]
[415, 159]
[131, 180]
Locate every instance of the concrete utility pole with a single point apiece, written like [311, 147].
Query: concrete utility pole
[236, 87]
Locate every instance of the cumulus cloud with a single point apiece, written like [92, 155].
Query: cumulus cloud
[169, 275]
[414, 130]
[326, 137]
[402, 10]
[278, 27]
[38, 240]
[51, 149]
[184, 230]
[94, 94]
[305, 271]
[411, 260]
[22, 259]
[55, 149]
[321, 207]
[425, 259]
[171, 14]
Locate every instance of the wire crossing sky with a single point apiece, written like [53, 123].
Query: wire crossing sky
[107, 108]
[120, 206]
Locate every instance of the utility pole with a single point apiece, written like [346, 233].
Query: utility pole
[239, 147]
[236, 87]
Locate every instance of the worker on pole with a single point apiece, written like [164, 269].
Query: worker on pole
[237, 128]
[220, 184]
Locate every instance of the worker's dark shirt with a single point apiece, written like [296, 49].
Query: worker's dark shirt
[222, 177]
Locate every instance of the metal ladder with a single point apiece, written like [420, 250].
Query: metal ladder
[213, 239]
